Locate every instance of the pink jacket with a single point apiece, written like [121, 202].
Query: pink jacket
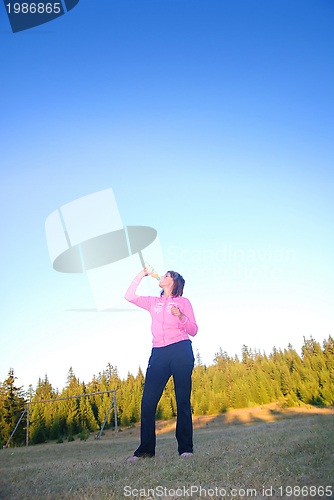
[166, 328]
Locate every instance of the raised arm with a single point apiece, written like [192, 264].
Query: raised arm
[131, 295]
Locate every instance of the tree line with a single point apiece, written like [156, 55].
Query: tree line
[229, 382]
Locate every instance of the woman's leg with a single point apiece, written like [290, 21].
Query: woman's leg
[182, 367]
[157, 375]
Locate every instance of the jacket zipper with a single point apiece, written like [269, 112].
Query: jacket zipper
[163, 321]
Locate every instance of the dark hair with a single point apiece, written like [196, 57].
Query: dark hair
[179, 282]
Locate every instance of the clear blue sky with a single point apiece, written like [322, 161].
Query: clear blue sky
[212, 121]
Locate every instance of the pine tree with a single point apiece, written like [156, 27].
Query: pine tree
[247, 357]
[12, 404]
[87, 417]
[71, 406]
[41, 414]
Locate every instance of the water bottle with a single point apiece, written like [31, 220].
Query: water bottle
[150, 269]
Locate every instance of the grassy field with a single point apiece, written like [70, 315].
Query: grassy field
[258, 453]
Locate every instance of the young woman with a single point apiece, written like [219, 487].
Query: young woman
[172, 322]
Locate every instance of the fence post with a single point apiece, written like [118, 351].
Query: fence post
[27, 435]
[115, 414]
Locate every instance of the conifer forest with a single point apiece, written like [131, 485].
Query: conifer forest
[230, 382]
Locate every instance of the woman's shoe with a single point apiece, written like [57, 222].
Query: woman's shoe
[133, 459]
[186, 454]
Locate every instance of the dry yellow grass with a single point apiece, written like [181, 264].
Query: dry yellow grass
[286, 448]
[266, 413]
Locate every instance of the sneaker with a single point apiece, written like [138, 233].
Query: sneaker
[133, 459]
[186, 454]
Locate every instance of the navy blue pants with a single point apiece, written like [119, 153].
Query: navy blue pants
[176, 360]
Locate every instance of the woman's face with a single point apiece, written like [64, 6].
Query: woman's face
[166, 280]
